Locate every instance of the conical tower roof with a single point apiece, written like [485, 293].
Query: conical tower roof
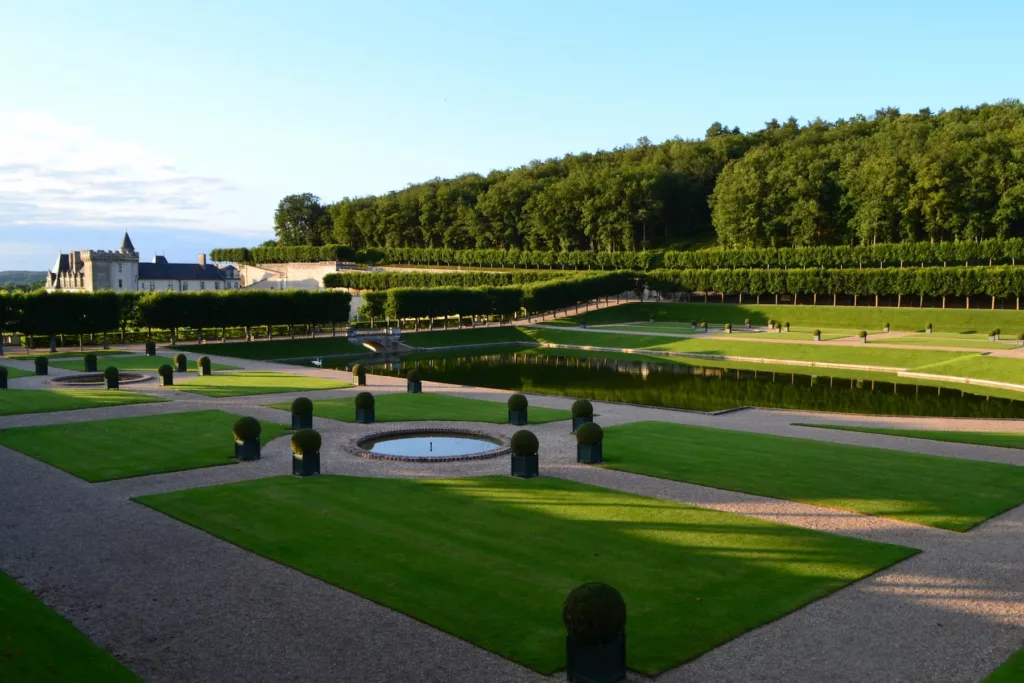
[126, 243]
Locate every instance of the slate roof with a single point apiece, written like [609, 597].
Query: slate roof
[162, 270]
[126, 243]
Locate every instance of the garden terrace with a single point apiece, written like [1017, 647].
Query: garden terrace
[278, 349]
[137, 362]
[21, 401]
[248, 383]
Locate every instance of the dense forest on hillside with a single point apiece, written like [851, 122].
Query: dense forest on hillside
[952, 175]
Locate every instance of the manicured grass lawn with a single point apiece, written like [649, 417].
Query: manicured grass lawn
[801, 333]
[413, 407]
[273, 350]
[840, 317]
[18, 401]
[980, 367]
[721, 345]
[62, 354]
[963, 341]
[1011, 671]
[220, 385]
[134, 446]
[135, 362]
[491, 559]
[14, 373]
[948, 493]
[39, 645]
[1000, 439]
[479, 335]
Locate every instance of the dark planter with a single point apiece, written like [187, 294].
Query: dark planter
[588, 663]
[181, 367]
[359, 380]
[578, 422]
[43, 369]
[150, 349]
[3, 382]
[517, 417]
[414, 387]
[306, 465]
[247, 450]
[302, 421]
[364, 416]
[90, 364]
[589, 453]
[203, 372]
[167, 381]
[109, 383]
[525, 466]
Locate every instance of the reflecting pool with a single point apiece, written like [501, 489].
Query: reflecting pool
[427, 445]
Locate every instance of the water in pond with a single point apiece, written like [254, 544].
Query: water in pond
[430, 446]
[693, 387]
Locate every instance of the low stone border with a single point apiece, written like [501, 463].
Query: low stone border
[354, 446]
[95, 379]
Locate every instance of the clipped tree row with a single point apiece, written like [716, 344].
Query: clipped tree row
[53, 313]
[521, 258]
[296, 254]
[562, 293]
[363, 280]
[994, 281]
[898, 254]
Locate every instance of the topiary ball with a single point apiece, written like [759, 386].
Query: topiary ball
[181, 358]
[42, 362]
[111, 373]
[90, 358]
[414, 375]
[302, 406]
[862, 334]
[306, 441]
[165, 370]
[365, 399]
[524, 442]
[204, 362]
[247, 429]
[746, 321]
[1020, 337]
[517, 402]
[581, 407]
[594, 613]
[817, 333]
[589, 434]
[358, 371]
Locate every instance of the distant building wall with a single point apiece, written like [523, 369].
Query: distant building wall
[286, 275]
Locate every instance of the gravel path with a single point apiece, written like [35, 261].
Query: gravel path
[176, 604]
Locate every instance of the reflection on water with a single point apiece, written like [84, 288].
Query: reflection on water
[690, 387]
[429, 446]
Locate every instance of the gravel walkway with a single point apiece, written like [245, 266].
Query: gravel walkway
[176, 604]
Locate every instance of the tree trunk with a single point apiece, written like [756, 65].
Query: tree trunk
[723, 297]
[876, 301]
[835, 298]
[174, 335]
[967, 299]
[53, 343]
[199, 335]
[815, 300]
[943, 300]
[741, 297]
[993, 303]
[248, 333]
[291, 331]
[899, 300]
[776, 299]
[855, 300]
[106, 343]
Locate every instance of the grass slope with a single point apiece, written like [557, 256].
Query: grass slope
[221, 385]
[999, 439]
[134, 446]
[136, 362]
[491, 559]
[18, 402]
[40, 646]
[859, 318]
[276, 349]
[942, 492]
[419, 407]
[980, 367]
[1011, 671]
[14, 373]
[480, 335]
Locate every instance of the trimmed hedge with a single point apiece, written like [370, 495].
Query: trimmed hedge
[594, 613]
[165, 371]
[181, 359]
[365, 399]
[111, 373]
[589, 433]
[358, 371]
[298, 254]
[414, 375]
[392, 279]
[581, 407]
[524, 442]
[302, 406]
[306, 441]
[517, 402]
[247, 429]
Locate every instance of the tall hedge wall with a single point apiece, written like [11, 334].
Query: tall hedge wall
[417, 278]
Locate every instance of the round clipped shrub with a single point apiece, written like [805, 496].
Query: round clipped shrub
[111, 373]
[1020, 337]
[693, 323]
[204, 363]
[364, 399]
[180, 359]
[581, 407]
[247, 429]
[524, 442]
[413, 375]
[703, 325]
[996, 332]
[787, 326]
[746, 321]
[302, 406]
[306, 441]
[164, 370]
[517, 402]
[3, 372]
[358, 371]
[589, 434]
[771, 322]
[728, 326]
[862, 334]
[928, 326]
[886, 325]
[89, 358]
[594, 613]
[817, 333]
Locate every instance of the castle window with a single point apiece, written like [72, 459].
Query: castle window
[184, 286]
[152, 286]
[119, 269]
[216, 285]
[120, 284]
[202, 285]
[170, 286]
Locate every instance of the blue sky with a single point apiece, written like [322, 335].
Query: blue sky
[187, 122]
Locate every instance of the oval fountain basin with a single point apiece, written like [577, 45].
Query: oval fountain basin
[429, 445]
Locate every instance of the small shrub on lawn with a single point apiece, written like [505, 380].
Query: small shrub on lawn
[746, 321]
[817, 333]
[787, 326]
[204, 363]
[414, 375]
[365, 399]
[589, 434]
[165, 371]
[728, 327]
[306, 441]
[928, 327]
[247, 429]
[594, 613]
[111, 373]
[302, 406]
[771, 323]
[358, 371]
[90, 359]
[581, 407]
[1020, 336]
[42, 364]
[862, 334]
[517, 402]
[180, 359]
[524, 442]
[703, 325]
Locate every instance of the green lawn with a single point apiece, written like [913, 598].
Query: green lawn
[491, 559]
[19, 401]
[63, 354]
[843, 317]
[979, 367]
[948, 493]
[963, 341]
[135, 362]
[801, 333]
[14, 373]
[1000, 439]
[480, 335]
[134, 446]
[277, 349]
[863, 354]
[39, 645]
[1011, 671]
[418, 407]
[220, 385]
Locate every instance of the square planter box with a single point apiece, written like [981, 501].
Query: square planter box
[181, 367]
[364, 416]
[359, 381]
[204, 373]
[302, 421]
[586, 663]
[111, 383]
[3, 382]
[578, 422]
[589, 453]
[90, 364]
[150, 350]
[247, 450]
[306, 465]
[817, 337]
[45, 370]
[517, 417]
[414, 387]
[525, 466]
[167, 381]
